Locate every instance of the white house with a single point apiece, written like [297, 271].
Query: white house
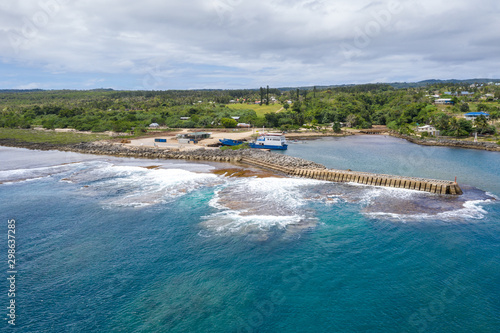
[443, 101]
[154, 125]
[473, 115]
[429, 129]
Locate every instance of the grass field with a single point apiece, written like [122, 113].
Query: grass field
[260, 110]
[35, 136]
[473, 107]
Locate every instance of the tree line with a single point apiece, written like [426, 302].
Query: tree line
[356, 106]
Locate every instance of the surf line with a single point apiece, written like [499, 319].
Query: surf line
[410, 183]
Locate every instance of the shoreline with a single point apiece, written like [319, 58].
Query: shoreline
[488, 146]
[201, 154]
[136, 150]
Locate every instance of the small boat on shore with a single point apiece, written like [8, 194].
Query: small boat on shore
[230, 142]
[274, 141]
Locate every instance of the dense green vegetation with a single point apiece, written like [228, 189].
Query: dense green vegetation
[356, 106]
[121, 111]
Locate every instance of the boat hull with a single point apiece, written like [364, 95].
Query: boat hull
[229, 142]
[283, 147]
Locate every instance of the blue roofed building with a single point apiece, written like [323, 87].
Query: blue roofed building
[473, 115]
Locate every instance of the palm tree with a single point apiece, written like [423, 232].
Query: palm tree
[454, 126]
[481, 123]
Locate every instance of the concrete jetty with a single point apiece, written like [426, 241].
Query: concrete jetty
[410, 183]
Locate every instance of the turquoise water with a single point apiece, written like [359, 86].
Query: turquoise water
[381, 154]
[107, 245]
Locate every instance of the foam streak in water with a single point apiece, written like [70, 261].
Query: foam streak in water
[260, 205]
[137, 187]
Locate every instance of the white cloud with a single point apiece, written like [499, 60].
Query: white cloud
[32, 85]
[257, 42]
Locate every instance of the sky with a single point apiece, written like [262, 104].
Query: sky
[238, 44]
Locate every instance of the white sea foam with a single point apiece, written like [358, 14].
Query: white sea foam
[236, 221]
[133, 186]
[399, 193]
[471, 210]
[214, 202]
[250, 205]
[16, 175]
[23, 180]
[332, 199]
[492, 195]
[413, 206]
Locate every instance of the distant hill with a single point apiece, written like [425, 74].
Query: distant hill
[402, 85]
[396, 85]
[317, 87]
[19, 90]
[38, 90]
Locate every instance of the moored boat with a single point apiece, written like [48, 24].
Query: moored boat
[275, 141]
[270, 141]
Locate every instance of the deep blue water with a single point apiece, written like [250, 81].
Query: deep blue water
[106, 245]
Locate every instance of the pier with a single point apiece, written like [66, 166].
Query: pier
[410, 183]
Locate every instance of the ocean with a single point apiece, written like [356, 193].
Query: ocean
[107, 244]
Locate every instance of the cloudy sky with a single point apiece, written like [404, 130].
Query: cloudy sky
[155, 44]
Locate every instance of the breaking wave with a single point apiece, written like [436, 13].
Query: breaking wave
[19, 175]
[413, 206]
[263, 206]
[133, 186]
[251, 204]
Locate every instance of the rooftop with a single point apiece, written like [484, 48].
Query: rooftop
[477, 114]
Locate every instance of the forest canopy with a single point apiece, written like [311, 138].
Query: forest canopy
[357, 106]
